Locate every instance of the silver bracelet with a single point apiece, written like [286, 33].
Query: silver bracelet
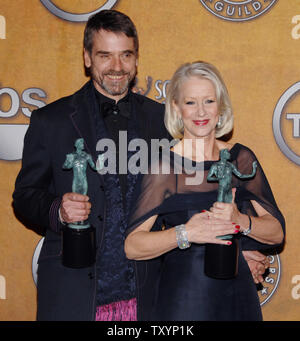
[246, 232]
[181, 237]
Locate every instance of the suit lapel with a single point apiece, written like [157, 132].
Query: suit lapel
[82, 117]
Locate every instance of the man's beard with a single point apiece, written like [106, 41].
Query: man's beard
[115, 88]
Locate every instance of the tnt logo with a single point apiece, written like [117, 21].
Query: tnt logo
[286, 123]
[2, 288]
[296, 123]
[2, 27]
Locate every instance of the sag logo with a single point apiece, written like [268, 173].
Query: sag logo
[2, 27]
[296, 29]
[54, 9]
[237, 10]
[271, 281]
[296, 288]
[286, 125]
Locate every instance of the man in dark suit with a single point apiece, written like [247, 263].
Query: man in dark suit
[103, 107]
[43, 197]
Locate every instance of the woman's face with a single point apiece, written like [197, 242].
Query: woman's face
[197, 106]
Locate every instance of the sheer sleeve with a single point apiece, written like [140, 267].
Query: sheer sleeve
[257, 189]
[151, 192]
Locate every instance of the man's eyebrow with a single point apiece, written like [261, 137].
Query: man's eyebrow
[102, 52]
[107, 52]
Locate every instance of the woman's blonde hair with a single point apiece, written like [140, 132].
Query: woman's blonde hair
[203, 70]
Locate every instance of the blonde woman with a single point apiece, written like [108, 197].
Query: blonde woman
[198, 112]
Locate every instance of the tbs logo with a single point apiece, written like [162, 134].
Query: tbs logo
[12, 135]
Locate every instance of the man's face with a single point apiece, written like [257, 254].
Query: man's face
[112, 62]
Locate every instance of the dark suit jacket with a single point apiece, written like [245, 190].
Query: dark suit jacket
[65, 293]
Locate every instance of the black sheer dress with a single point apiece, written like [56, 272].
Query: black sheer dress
[182, 291]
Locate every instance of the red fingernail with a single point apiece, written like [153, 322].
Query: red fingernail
[203, 211]
[236, 231]
[233, 223]
[229, 243]
[237, 226]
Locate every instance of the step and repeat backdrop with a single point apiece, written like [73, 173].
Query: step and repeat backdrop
[255, 45]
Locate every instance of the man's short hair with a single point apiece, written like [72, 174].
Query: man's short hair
[109, 20]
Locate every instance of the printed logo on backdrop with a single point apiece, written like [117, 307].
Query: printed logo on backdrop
[2, 27]
[270, 284]
[54, 9]
[237, 10]
[281, 117]
[2, 288]
[35, 258]
[296, 29]
[12, 135]
[159, 85]
[296, 288]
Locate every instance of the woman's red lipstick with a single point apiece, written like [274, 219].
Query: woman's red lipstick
[200, 122]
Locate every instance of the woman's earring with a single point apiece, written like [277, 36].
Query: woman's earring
[220, 121]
